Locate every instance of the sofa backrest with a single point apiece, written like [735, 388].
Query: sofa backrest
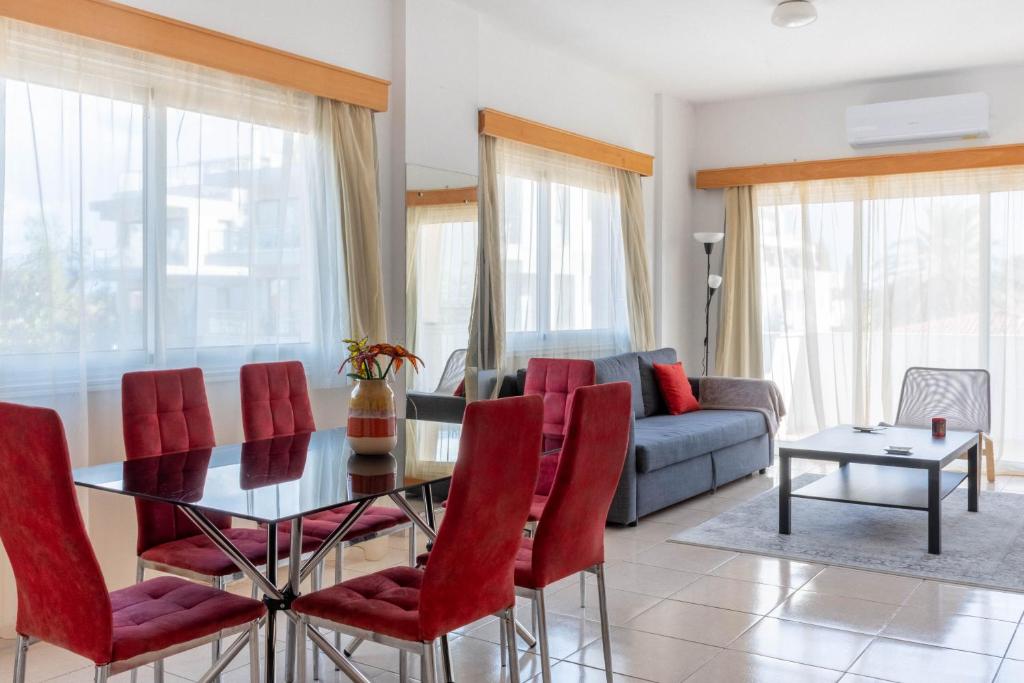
[637, 368]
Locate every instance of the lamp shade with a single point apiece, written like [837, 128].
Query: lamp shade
[714, 281]
[708, 237]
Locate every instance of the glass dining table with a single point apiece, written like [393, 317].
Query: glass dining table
[279, 481]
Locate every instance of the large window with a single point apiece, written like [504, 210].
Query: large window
[153, 213]
[865, 278]
[564, 268]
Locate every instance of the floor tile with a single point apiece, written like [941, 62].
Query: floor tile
[975, 602]
[626, 547]
[743, 596]
[743, 667]
[834, 611]
[712, 502]
[697, 623]
[857, 678]
[974, 634]
[646, 529]
[774, 571]
[622, 605]
[803, 643]
[681, 517]
[863, 585]
[903, 662]
[648, 656]
[569, 672]
[642, 578]
[476, 660]
[566, 634]
[1016, 650]
[1011, 671]
[687, 558]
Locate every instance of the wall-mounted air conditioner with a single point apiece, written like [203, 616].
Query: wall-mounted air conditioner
[953, 117]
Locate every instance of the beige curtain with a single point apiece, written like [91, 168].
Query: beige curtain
[350, 130]
[638, 278]
[739, 351]
[486, 345]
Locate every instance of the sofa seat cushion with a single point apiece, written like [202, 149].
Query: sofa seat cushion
[664, 440]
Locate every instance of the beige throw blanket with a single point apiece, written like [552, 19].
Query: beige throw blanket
[734, 393]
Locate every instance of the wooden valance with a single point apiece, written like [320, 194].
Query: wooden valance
[858, 167]
[129, 27]
[452, 195]
[501, 125]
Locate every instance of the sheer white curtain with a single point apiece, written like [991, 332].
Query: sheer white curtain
[863, 278]
[562, 256]
[442, 265]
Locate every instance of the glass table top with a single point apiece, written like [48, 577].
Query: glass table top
[279, 479]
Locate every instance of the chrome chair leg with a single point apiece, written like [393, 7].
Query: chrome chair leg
[583, 589]
[428, 664]
[339, 562]
[219, 583]
[502, 645]
[508, 624]
[606, 639]
[300, 651]
[446, 660]
[20, 658]
[140, 575]
[403, 666]
[254, 651]
[102, 673]
[158, 671]
[542, 636]
[412, 546]
[317, 582]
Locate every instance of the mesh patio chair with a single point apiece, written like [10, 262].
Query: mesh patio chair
[962, 396]
[454, 372]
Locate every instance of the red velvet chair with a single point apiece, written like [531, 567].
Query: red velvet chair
[471, 567]
[570, 533]
[165, 412]
[275, 402]
[62, 599]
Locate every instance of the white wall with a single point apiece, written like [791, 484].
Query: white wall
[811, 125]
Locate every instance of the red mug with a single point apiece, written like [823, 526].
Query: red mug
[939, 427]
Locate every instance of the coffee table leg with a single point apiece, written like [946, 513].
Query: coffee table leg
[785, 488]
[934, 512]
[973, 481]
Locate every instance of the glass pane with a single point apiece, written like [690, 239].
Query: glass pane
[72, 246]
[239, 240]
[522, 207]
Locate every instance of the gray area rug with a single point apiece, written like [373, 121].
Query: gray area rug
[985, 548]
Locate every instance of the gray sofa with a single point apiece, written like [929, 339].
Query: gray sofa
[675, 457]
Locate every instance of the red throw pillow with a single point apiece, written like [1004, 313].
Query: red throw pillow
[675, 388]
[461, 389]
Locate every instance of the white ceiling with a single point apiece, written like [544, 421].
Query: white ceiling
[705, 50]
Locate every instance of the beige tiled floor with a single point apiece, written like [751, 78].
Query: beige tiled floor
[683, 613]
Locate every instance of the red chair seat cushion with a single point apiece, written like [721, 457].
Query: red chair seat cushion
[385, 602]
[198, 553]
[524, 565]
[377, 518]
[168, 611]
[537, 508]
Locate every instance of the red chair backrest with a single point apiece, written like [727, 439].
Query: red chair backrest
[471, 566]
[555, 380]
[62, 598]
[165, 411]
[275, 400]
[570, 532]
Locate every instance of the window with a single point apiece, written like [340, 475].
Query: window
[865, 278]
[154, 213]
[565, 286]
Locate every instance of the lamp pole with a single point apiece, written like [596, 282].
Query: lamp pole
[711, 283]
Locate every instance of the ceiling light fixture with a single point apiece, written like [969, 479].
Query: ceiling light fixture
[794, 13]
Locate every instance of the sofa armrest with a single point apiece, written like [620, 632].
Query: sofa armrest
[435, 407]
[623, 508]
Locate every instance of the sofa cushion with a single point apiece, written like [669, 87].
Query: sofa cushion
[664, 440]
[654, 404]
[622, 368]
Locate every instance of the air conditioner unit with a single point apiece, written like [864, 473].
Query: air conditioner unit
[952, 117]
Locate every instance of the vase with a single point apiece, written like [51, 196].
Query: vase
[372, 428]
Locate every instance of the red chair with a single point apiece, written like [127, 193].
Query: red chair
[165, 412]
[275, 402]
[471, 567]
[570, 533]
[62, 599]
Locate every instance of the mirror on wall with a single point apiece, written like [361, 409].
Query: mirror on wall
[441, 222]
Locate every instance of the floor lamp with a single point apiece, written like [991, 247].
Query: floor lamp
[713, 283]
